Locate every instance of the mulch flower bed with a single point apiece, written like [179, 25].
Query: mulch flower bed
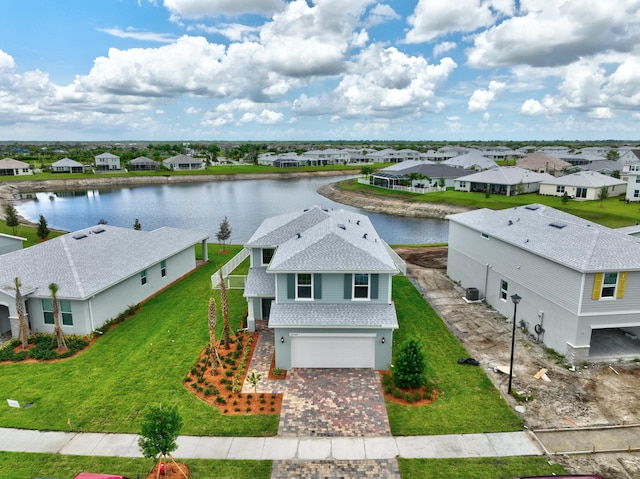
[407, 397]
[221, 388]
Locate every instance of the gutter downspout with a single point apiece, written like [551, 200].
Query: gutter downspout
[91, 315]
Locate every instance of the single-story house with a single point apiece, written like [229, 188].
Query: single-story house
[67, 165]
[604, 167]
[543, 163]
[575, 277]
[421, 173]
[183, 162]
[474, 160]
[11, 167]
[142, 163]
[322, 279]
[584, 184]
[502, 180]
[107, 162]
[100, 271]
[9, 243]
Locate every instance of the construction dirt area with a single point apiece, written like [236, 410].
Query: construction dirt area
[587, 395]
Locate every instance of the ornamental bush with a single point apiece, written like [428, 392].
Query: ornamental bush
[409, 367]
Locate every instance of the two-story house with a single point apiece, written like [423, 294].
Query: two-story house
[323, 280]
[107, 162]
[577, 279]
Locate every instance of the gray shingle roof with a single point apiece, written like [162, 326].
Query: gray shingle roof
[585, 179]
[259, 283]
[323, 241]
[507, 175]
[580, 244]
[11, 164]
[100, 259]
[66, 162]
[333, 315]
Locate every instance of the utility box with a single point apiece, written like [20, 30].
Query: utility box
[472, 294]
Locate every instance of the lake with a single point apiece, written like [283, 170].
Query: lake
[203, 206]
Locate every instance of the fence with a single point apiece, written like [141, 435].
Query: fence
[228, 268]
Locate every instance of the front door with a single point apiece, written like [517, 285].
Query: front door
[266, 307]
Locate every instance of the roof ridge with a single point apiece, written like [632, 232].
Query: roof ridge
[74, 271]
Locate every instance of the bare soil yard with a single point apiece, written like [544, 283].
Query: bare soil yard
[592, 395]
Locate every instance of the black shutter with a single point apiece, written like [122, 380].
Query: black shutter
[317, 286]
[347, 286]
[291, 286]
[374, 286]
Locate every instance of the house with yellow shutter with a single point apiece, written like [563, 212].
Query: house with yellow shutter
[578, 281]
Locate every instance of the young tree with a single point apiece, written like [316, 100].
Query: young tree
[366, 170]
[159, 431]
[603, 194]
[102, 221]
[565, 198]
[24, 328]
[11, 217]
[519, 188]
[213, 349]
[136, 225]
[224, 233]
[225, 314]
[409, 367]
[43, 229]
[57, 330]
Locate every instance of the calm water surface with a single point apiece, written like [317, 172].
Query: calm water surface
[203, 206]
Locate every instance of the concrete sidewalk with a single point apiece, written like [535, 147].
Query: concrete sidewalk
[279, 448]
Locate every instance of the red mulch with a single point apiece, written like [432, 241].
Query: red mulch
[273, 365]
[171, 471]
[234, 403]
[401, 400]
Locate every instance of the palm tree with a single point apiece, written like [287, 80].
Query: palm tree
[225, 314]
[57, 330]
[213, 348]
[24, 328]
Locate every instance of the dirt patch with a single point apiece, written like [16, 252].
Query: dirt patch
[221, 388]
[172, 470]
[591, 395]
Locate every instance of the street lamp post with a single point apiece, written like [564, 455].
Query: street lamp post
[516, 299]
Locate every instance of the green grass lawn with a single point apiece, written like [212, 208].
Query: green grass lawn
[22, 465]
[142, 361]
[477, 468]
[28, 232]
[467, 401]
[612, 212]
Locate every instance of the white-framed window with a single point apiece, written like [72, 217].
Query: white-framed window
[163, 268]
[65, 311]
[267, 254]
[504, 289]
[361, 286]
[559, 188]
[463, 184]
[637, 179]
[636, 193]
[609, 285]
[304, 286]
[143, 277]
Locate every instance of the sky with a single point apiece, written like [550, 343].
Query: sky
[313, 70]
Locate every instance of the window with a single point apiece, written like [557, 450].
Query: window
[636, 193]
[581, 192]
[65, 312]
[485, 235]
[637, 179]
[143, 277]
[504, 289]
[609, 283]
[267, 254]
[163, 268]
[361, 286]
[463, 184]
[304, 286]
[560, 189]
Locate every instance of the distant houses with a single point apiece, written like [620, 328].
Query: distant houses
[183, 162]
[142, 163]
[67, 165]
[583, 185]
[505, 180]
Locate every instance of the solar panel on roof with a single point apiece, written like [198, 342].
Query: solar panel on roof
[79, 236]
[98, 230]
[558, 225]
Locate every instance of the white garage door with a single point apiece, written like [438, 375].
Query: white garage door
[309, 350]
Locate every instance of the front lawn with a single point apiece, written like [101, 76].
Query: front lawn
[477, 468]
[142, 361]
[19, 464]
[467, 400]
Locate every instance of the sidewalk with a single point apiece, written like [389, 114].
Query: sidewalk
[279, 448]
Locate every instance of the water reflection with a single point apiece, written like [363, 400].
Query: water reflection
[203, 206]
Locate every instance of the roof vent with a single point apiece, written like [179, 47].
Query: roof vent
[98, 231]
[510, 223]
[364, 236]
[358, 222]
[341, 226]
[79, 236]
[532, 207]
[298, 235]
[557, 225]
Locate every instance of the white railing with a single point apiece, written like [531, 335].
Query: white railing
[410, 189]
[229, 267]
[399, 262]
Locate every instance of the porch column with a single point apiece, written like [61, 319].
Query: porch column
[205, 251]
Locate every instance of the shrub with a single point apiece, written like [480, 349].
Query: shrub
[409, 367]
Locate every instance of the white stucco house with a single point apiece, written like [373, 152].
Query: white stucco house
[584, 185]
[631, 172]
[183, 162]
[502, 180]
[9, 243]
[322, 278]
[100, 271]
[107, 162]
[67, 165]
[11, 167]
[577, 279]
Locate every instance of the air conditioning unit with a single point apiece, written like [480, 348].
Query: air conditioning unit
[472, 294]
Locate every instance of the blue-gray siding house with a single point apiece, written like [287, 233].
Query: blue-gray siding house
[322, 278]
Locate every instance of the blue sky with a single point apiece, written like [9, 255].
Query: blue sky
[278, 70]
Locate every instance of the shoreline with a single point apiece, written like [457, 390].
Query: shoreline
[368, 202]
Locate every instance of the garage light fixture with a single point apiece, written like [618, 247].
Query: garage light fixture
[282, 339]
[382, 340]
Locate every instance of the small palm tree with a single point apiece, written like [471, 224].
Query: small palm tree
[24, 328]
[57, 330]
[225, 314]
